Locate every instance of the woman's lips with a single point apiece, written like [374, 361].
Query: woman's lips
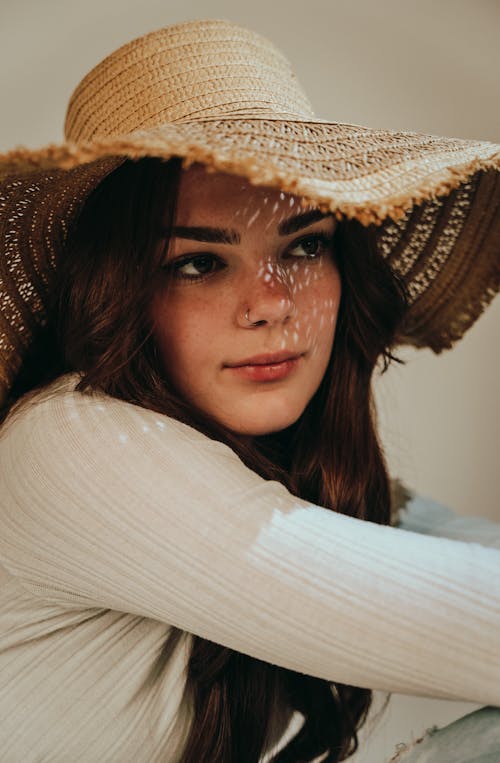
[266, 368]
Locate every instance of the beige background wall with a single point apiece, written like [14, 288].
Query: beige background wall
[428, 66]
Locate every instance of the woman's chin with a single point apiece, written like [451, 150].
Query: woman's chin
[258, 423]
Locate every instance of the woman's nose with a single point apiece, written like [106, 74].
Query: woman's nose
[267, 298]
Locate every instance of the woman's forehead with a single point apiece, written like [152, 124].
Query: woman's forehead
[205, 196]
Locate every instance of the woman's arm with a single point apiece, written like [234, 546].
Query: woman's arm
[110, 505]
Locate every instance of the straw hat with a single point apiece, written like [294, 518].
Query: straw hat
[213, 92]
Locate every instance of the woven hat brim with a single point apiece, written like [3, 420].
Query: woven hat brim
[355, 171]
[435, 201]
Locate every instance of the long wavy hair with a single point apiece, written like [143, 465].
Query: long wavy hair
[331, 456]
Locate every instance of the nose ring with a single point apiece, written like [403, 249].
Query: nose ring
[247, 318]
[252, 323]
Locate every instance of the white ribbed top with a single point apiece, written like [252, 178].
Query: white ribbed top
[117, 523]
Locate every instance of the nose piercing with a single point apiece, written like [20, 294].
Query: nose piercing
[247, 318]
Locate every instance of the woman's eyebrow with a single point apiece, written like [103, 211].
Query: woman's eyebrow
[302, 220]
[229, 236]
[210, 235]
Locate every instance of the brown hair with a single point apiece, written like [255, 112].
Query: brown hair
[331, 456]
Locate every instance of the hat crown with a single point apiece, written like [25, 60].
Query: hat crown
[185, 72]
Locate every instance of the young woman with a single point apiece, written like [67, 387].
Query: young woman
[189, 456]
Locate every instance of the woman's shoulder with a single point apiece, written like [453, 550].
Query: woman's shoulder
[60, 406]
[80, 436]
[40, 394]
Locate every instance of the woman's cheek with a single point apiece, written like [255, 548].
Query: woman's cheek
[319, 308]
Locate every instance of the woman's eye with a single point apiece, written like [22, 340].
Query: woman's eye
[311, 247]
[195, 266]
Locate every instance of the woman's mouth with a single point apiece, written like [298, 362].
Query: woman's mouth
[266, 368]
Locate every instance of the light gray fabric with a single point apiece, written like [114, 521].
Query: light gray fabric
[475, 738]
[425, 516]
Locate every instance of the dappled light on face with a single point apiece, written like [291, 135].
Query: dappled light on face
[257, 205]
[293, 270]
[253, 276]
[273, 280]
[303, 312]
[251, 221]
[297, 274]
[320, 318]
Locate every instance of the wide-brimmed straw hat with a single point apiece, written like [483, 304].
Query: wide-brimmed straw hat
[213, 92]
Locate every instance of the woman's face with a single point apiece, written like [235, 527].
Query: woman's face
[246, 305]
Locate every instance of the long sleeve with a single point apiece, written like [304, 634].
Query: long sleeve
[105, 504]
